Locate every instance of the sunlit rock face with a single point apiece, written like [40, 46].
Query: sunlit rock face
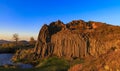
[76, 39]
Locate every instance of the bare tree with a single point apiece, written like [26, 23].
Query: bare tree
[16, 38]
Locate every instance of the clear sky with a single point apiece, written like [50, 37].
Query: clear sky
[26, 17]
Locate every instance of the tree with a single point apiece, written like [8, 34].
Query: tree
[32, 41]
[16, 38]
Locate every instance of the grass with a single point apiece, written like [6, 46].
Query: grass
[7, 50]
[47, 64]
[49, 68]
[13, 49]
[53, 64]
[17, 69]
[32, 69]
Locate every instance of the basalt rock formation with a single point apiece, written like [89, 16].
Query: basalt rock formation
[96, 43]
[77, 39]
[109, 61]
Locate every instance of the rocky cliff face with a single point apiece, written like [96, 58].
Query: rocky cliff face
[76, 39]
[96, 43]
[109, 61]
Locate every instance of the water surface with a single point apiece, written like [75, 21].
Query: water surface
[5, 59]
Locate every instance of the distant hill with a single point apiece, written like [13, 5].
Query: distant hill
[21, 41]
[24, 42]
[4, 41]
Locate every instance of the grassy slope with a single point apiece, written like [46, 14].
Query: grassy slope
[12, 69]
[48, 64]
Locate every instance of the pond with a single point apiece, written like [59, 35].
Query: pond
[5, 59]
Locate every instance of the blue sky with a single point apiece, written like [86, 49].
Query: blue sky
[26, 17]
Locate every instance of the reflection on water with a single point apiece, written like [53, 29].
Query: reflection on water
[5, 59]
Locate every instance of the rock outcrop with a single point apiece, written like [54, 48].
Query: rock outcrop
[77, 67]
[76, 39]
[106, 62]
[96, 43]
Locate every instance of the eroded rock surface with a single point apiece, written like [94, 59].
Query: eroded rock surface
[76, 39]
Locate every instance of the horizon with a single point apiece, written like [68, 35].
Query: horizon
[26, 17]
